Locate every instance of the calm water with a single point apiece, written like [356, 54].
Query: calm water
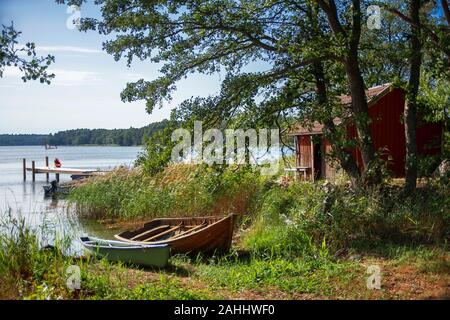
[26, 199]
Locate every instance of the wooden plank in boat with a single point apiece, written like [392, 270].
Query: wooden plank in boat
[189, 231]
[161, 234]
[150, 232]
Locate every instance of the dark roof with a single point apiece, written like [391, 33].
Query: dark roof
[373, 95]
[314, 128]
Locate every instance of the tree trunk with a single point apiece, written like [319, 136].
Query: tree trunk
[410, 112]
[356, 84]
[344, 157]
[445, 8]
[361, 113]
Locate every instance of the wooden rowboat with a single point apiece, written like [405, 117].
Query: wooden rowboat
[139, 254]
[185, 235]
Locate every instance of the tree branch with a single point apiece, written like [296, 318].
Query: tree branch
[434, 37]
[356, 27]
[446, 10]
[332, 15]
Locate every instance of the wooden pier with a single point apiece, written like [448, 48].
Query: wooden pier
[47, 170]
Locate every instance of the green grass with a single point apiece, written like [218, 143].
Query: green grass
[322, 277]
[113, 282]
[179, 190]
[291, 276]
[304, 218]
[297, 236]
[427, 259]
[285, 220]
[30, 271]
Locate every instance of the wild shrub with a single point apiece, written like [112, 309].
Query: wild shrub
[27, 268]
[178, 190]
[281, 219]
[302, 218]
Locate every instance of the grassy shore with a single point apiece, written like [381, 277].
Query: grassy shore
[294, 240]
[28, 271]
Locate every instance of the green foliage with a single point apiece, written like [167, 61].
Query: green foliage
[165, 289]
[34, 68]
[306, 219]
[298, 220]
[434, 97]
[283, 61]
[184, 190]
[208, 36]
[30, 271]
[22, 139]
[287, 275]
[272, 234]
[17, 243]
[322, 277]
[103, 280]
[158, 151]
[121, 137]
[27, 269]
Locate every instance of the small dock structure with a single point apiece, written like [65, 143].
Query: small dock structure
[47, 170]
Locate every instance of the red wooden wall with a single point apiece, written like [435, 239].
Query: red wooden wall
[388, 133]
[305, 152]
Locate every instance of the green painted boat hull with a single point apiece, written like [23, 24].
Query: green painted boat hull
[143, 255]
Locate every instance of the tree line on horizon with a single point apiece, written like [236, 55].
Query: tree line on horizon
[76, 137]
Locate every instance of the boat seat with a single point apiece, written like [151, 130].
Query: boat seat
[159, 235]
[150, 232]
[192, 229]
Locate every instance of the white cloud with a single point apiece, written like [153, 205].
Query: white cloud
[68, 49]
[63, 77]
[12, 72]
[75, 77]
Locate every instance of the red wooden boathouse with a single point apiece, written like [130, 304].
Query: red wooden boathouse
[386, 105]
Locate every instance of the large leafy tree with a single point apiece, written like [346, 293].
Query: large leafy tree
[435, 26]
[312, 51]
[24, 57]
[291, 37]
[428, 38]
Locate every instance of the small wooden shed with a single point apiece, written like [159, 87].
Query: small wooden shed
[386, 106]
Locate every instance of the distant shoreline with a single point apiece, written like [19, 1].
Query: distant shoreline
[86, 137]
[68, 146]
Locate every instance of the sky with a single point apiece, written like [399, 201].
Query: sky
[86, 90]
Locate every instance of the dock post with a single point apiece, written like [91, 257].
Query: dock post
[57, 177]
[24, 169]
[46, 164]
[33, 173]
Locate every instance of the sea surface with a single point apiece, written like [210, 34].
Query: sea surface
[25, 199]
